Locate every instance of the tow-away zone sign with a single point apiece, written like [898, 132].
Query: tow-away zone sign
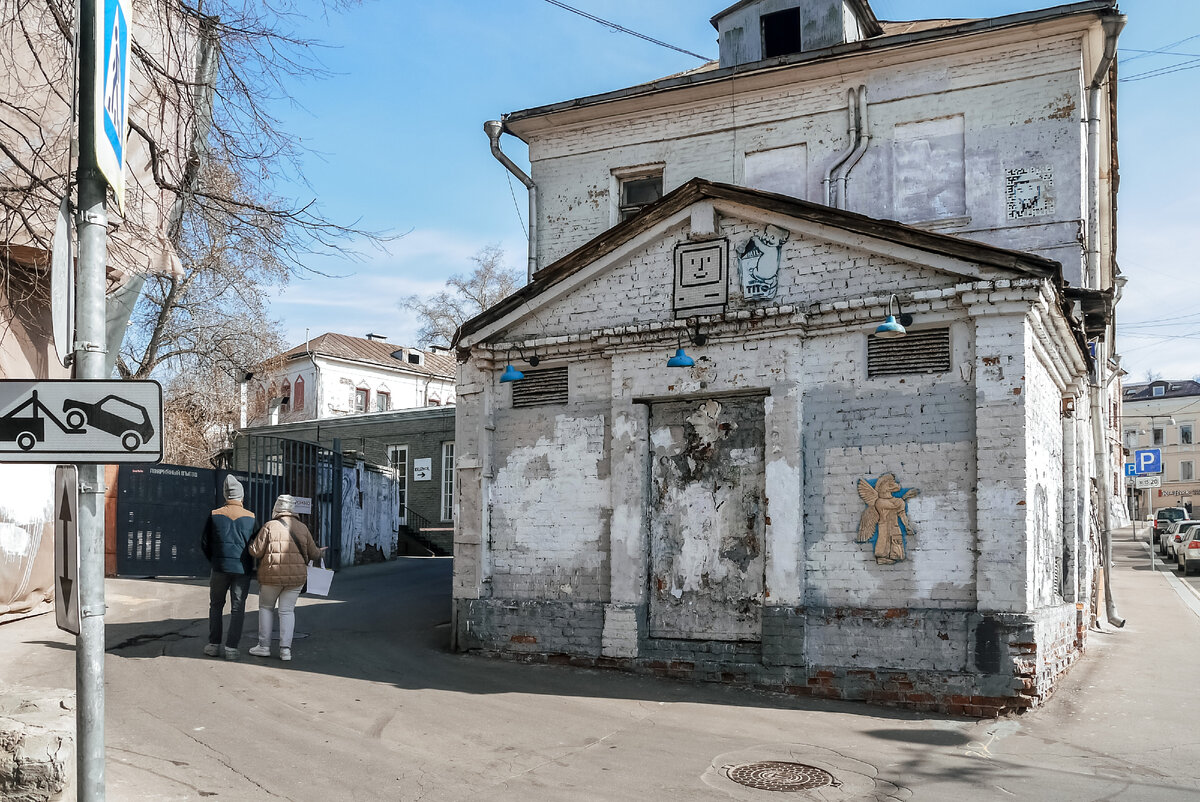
[80, 421]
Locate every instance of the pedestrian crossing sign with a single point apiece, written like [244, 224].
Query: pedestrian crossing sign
[111, 92]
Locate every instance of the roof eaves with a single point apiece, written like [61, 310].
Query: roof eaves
[966, 28]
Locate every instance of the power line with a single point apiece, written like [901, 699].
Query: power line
[1141, 76]
[1163, 49]
[614, 26]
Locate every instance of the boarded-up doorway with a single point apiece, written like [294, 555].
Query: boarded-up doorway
[706, 519]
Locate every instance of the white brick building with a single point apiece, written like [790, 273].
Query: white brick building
[335, 375]
[702, 521]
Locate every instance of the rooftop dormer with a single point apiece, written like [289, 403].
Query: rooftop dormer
[753, 30]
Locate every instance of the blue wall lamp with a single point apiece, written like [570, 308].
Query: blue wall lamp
[511, 374]
[681, 358]
[893, 327]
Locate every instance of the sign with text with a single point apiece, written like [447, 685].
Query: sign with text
[422, 469]
[66, 548]
[1144, 482]
[111, 92]
[1130, 469]
[80, 421]
[1148, 460]
[303, 505]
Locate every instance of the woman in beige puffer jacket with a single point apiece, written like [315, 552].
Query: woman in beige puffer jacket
[283, 548]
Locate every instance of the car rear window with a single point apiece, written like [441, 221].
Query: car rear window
[1172, 514]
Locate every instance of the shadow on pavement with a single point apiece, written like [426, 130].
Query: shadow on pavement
[390, 623]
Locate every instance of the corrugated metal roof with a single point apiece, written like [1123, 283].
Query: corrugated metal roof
[375, 352]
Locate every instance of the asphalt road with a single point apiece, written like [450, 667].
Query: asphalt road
[375, 707]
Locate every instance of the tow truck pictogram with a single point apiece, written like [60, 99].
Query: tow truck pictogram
[28, 432]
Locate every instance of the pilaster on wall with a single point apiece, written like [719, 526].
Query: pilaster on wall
[784, 535]
[472, 439]
[629, 450]
[1001, 526]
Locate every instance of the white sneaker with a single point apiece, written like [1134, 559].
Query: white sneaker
[260, 651]
[285, 654]
[212, 649]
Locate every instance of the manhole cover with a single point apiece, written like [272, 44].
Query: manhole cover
[778, 775]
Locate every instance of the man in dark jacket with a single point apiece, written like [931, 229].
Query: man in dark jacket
[226, 536]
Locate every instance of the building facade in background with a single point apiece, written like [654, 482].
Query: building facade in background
[1164, 415]
[794, 500]
[334, 375]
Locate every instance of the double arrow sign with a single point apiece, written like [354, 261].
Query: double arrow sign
[66, 548]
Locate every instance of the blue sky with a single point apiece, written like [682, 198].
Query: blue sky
[398, 144]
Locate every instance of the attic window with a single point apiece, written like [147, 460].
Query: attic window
[1159, 390]
[540, 388]
[414, 359]
[918, 352]
[781, 33]
[639, 192]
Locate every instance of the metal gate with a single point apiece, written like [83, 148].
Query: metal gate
[308, 471]
[160, 517]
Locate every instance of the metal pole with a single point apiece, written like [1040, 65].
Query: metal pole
[89, 364]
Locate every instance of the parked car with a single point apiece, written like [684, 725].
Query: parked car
[1187, 550]
[1171, 538]
[1164, 518]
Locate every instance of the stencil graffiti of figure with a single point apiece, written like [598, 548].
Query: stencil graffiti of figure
[886, 517]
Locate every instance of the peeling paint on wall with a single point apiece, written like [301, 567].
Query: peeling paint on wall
[707, 519]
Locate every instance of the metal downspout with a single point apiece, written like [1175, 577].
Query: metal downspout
[852, 134]
[864, 139]
[1093, 279]
[494, 128]
[1112, 29]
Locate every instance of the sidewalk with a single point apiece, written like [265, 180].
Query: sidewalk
[374, 707]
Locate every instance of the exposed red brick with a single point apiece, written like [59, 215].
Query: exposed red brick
[523, 639]
[896, 612]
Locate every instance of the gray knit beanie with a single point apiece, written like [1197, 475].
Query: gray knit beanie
[233, 489]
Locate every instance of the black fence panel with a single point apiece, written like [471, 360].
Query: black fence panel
[161, 512]
[308, 471]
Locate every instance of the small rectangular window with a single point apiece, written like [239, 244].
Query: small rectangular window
[1160, 390]
[1185, 471]
[362, 400]
[1130, 438]
[1158, 436]
[414, 359]
[781, 33]
[1185, 434]
[448, 481]
[383, 402]
[638, 193]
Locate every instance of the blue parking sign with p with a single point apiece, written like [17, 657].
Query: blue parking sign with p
[1148, 460]
[1130, 469]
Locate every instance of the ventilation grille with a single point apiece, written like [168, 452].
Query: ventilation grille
[540, 388]
[918, 352]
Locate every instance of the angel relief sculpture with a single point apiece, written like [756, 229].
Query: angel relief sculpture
[885, 520]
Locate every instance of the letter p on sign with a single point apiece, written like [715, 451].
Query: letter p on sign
[1148, 460]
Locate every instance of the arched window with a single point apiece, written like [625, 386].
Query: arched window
[298, 394]
[286, 394]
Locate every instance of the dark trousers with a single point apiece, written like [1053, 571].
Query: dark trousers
[236, 587]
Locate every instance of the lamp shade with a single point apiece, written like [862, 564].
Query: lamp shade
[890, 329]
[511, 374]
[680, 360]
